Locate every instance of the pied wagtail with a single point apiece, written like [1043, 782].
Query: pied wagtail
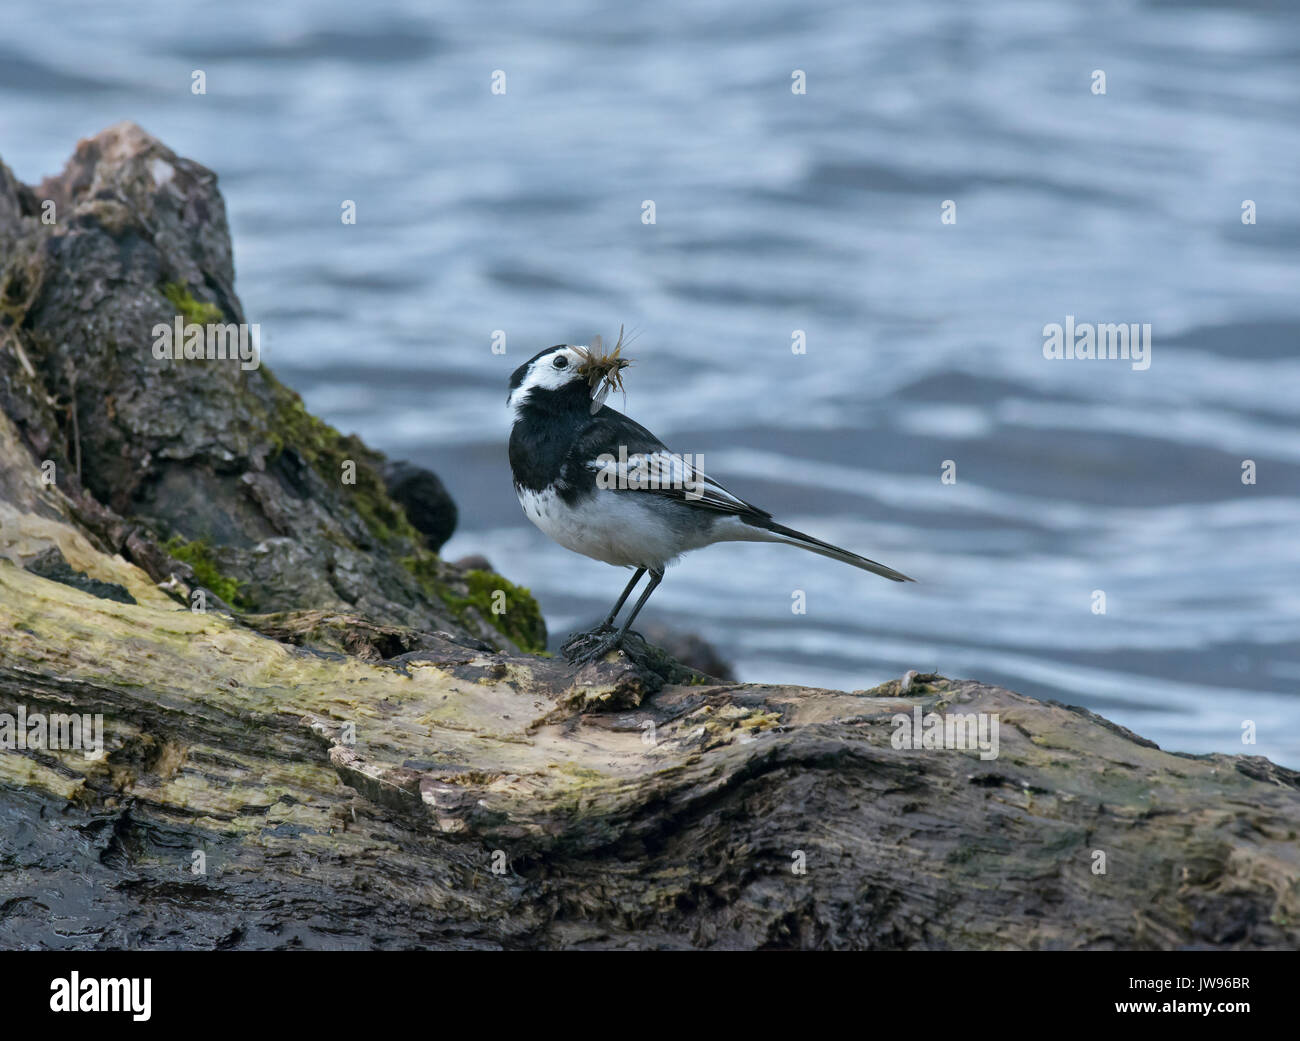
[602, 485]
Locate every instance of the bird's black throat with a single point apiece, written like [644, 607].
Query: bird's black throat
[547, 425]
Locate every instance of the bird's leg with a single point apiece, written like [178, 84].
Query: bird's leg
[655, 578]
[608, 623]
[604, 646]
[576, 640]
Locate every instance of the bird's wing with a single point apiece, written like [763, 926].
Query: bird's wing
[624, 456]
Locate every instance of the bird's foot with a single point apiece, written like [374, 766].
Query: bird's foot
[583, 648]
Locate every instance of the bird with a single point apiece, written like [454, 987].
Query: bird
[602, 485]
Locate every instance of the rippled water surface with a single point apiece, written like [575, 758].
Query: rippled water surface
[777, 212]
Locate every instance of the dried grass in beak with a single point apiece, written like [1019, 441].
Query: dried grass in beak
[603, 371]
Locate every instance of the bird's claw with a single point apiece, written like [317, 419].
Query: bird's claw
[580, 650]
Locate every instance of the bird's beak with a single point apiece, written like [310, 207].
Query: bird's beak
[602, 369]
[600, 389]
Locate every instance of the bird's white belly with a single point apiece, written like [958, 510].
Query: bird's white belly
[609, 526]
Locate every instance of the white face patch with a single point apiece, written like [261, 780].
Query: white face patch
[543, 375]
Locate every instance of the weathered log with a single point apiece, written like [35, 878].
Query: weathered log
[457, 796]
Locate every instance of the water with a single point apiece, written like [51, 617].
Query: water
[776, 212]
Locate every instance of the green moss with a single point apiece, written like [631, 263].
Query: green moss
[427, 571]
[198, 555]
[325, 450]
[193, 311]
[521, 617]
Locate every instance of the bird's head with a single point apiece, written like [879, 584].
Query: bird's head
[567, 377]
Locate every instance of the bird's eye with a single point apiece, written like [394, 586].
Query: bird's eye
[561, 362]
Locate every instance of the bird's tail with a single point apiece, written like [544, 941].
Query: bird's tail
[798, 538]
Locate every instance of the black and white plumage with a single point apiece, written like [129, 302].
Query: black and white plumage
[602, 485]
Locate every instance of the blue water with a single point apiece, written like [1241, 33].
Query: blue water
[777, 212]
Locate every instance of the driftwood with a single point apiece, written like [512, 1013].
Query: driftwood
[461, 797]
[386, 767]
